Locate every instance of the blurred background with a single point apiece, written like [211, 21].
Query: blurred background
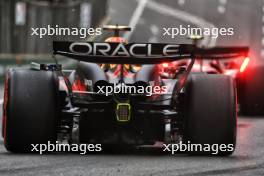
[17, 18]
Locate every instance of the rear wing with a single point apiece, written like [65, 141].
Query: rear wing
[141, 53]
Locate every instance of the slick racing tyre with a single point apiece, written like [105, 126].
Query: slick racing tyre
[30, 109]
[251, 91]
[210, 113]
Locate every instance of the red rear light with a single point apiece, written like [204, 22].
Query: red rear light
[244, 64]
[165, 65]
[78, 86]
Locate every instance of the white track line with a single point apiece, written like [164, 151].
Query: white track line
[222, 6]
[181, 2]
[154, 29]
[153, 40]
[221, 9]
[1, 101]
[135, 17]
[223, 2]
[186, 17]
[262, 41]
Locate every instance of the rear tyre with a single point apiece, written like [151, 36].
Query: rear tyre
[210, 113]
[30, 109]
[251, 91]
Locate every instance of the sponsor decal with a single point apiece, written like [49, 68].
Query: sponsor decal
[121, 49]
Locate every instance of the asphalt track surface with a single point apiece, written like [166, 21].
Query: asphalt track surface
[248, 158]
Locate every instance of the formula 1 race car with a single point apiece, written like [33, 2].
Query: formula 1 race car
[46, 103]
